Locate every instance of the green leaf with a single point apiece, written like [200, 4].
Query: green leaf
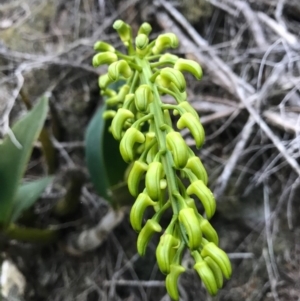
[27, 195]
[14, 156]
[104, 162]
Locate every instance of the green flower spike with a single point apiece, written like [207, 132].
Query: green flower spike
[164, 168]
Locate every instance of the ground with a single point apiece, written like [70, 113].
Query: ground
[249, 104]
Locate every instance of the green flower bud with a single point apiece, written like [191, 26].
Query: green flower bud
[137, 171]
[180, 97]
[188, 108]
[137, 211]
[162, 82]
[189, 66]
[195, 165]
[145, 28]
[141, 41]
[174, 76]
[205, 196]
[129, 102]
[123, 92]
[120, 97]
[102, 46]
[164, 41]
[150, 136]
[109, 93]
[143, 97]
[188, 120]
[187, 217]
[119, 68]
[207, 230]
[104, 58]
[119, 121]
[179, 149]
[163, 184]
[165, 252]
[154, 176]
[168, 57]
[191, 203]
[216, 271]
[146, 234]
[104, 81]
[131, 136]
[172, 279]
[207, 277]
[109, 114]
[219, 257]
[124, 31]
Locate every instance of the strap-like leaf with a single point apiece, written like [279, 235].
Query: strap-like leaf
[27, 195]
[14, 156]
[104, 162]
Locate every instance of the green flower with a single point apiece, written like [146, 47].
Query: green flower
[163, 165]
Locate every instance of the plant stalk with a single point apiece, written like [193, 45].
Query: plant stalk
[159, 122]
[32, 235]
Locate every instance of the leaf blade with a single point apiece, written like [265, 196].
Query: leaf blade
[27, 195]
[104, 162]
[13, 159]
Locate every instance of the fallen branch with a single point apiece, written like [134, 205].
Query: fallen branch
[92, 238]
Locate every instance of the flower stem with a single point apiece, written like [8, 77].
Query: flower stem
[159, 122]
[32, 235]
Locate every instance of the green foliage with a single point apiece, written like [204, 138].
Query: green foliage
[27, 195]
[14, 156]
[104, 162]
[159, 154]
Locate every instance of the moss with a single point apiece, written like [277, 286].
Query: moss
[193, 10]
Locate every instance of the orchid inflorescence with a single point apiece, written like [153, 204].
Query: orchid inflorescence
[159, 154]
